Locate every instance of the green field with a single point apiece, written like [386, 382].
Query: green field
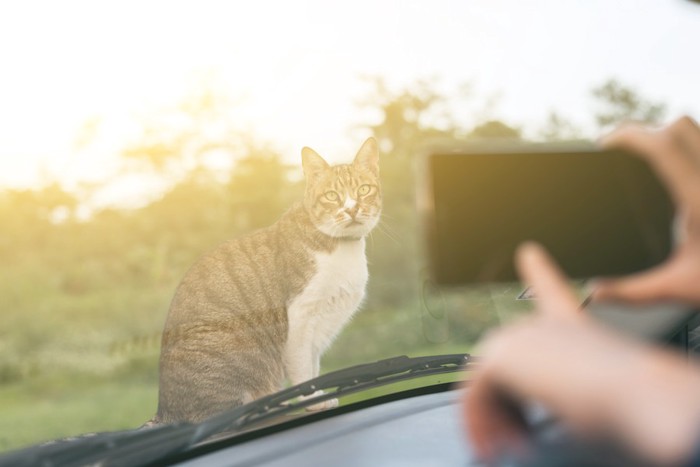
[80, 338]
[34, 414]
[71, 399]
[39, 409]
[43, 409]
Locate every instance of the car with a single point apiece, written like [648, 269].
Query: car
[138, 137]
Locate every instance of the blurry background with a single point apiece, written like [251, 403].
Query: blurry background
[134, 136]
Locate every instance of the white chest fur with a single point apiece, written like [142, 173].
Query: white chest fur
[325, 305]
[340, 278]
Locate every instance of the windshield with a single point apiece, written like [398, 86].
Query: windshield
[176, 237]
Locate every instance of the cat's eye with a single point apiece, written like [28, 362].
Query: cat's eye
[332, 196]
[364, 190]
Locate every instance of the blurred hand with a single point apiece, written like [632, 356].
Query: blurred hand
[597, 383]
[674, 152]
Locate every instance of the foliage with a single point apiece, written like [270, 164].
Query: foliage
[175, 141]
[495, 129]
[83, 301]
[559, 128]
[619, 103]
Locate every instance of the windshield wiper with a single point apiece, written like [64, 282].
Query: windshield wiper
[344, 382]
[148, 445]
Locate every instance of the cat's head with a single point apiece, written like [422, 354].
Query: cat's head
[344, 201]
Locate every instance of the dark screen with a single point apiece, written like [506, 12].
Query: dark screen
[599, 213]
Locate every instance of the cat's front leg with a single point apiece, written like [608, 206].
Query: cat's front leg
[302, 362]
[299, 369]
[298, 356]
[328, 404]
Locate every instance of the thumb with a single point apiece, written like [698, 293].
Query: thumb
[537, 269]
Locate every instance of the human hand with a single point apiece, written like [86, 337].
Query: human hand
[597, 383]
[674, 152]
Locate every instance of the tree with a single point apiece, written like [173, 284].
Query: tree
[410, 119]
[28, 217]
[407, 122]
[408, 115]
[618, 103]
[260, 189]
[559, 128]
[178, 140]
[494, 129]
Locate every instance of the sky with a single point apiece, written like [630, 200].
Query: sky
[77, 71]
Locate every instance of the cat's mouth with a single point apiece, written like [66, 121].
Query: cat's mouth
[352, 223]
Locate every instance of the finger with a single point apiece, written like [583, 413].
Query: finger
[675, 168]
[537, 269]
[493, 426]
[656, 284]
[687, 133]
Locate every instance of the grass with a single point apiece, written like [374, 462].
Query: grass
[44, 409]
[59, 405]
[33, 414]
[85, 371]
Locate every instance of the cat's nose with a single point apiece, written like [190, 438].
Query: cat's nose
[353, 211]
[351, 207]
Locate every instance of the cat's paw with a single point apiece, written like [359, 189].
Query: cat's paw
[325, 405]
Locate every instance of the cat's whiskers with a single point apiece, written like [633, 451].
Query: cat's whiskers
[337, 225]
[386, 225]
[387, 230]
[371, 237]
[387, 217]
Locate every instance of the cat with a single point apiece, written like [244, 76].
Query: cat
[262, 308]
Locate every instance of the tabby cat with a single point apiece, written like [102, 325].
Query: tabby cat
[262, 308]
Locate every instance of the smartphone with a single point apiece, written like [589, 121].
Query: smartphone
[599, 213]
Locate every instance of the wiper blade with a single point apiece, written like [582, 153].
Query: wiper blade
[98, 447]
[146, 446]
[334, 384]
[348, 381]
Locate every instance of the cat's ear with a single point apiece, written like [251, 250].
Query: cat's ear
[368, 156]
[312, 163]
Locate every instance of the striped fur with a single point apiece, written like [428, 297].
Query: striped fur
[260, 309]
